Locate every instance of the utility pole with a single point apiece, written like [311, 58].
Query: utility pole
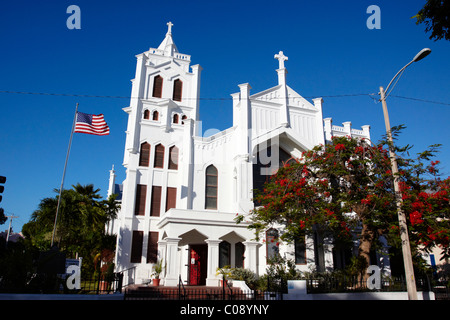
[9, 228]
[406, 248]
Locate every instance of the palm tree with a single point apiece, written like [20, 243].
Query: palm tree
[80, 229]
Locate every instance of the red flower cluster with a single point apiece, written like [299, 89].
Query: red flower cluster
[339, 146]
[359, 149]
[415, 218]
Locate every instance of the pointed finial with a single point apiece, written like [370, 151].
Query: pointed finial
[169, 24]
[281, 58]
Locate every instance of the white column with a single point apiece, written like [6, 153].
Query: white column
[328, 122]
[366, 130]
[251, 255]
[172, 268]
[162, 249]
[185, 164]
[213, 261]
[195, 93]
[244, 121]
[320, 139]
[348, 128]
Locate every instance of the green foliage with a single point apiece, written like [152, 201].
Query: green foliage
[436, 16]
[80, 228]
[347, 186]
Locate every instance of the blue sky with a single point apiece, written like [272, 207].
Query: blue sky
[331, 52]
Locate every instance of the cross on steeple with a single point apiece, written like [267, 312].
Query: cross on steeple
[281, 58]
[169, 24]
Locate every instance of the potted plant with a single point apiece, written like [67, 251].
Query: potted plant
[225, 272]
[157, 270]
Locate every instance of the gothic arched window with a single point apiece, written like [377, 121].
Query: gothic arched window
[159, 156]
[144, 156]
[175, 118]
[146, 114]
[157, 87]
[173, 158]
[155, 116]
[177, 90]
[211, 188]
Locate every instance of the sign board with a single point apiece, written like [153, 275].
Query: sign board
[73, 273]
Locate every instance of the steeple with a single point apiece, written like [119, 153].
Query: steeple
[167, 45]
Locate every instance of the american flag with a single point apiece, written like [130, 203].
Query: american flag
[91, 124]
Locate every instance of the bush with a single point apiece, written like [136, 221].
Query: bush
[246, 275]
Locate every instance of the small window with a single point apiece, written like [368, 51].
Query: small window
[173, 158]
[147, 114]
[176, 118]
[177, 90]
[144, 156]
[211, 188]
[155, 116]
[184, 117]
[159, 156]
[157, 87]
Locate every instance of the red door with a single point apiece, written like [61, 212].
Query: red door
[197, 264]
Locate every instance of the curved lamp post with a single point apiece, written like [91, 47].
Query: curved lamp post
[406, 248]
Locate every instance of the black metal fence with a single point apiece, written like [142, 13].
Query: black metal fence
[336, 284]
[199, 294]
[182, 292]
[98, 284]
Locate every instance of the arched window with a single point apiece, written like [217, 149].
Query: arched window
[155, 115]
[144, 156]
[272, 244]
[177, 90]
[211, 188]
[175, 118]
[157, 87]
[173, 158]
[184, 117]
[239, 251]
[146, 114]
[159, 156]
[224, 254]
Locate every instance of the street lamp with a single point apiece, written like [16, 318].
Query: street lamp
[406, 248]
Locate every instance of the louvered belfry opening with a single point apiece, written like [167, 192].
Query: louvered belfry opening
[157, 87]
[177, 90]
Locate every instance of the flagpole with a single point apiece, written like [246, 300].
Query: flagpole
[64, 174]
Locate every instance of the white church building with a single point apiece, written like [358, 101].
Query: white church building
[182, 191]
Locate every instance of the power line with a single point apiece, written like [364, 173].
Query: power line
[129, 97]
[371, 95]
[421, 100]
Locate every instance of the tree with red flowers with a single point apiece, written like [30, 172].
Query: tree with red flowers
[346, 187]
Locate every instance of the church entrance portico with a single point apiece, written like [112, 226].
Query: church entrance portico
[195, 251]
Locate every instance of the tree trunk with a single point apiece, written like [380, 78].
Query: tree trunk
[365, 244]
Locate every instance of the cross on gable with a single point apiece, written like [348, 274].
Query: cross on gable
[281, 58]
[169, 24]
